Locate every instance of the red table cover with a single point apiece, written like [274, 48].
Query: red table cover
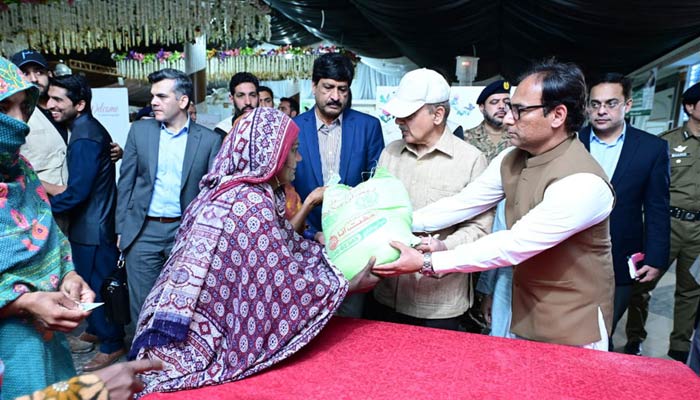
[360, 359]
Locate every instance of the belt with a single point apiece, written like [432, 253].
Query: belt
[163, 220]
[685, 215]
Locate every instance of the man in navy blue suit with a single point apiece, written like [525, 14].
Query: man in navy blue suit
[637, 164]
[89, 200]
[334, 140]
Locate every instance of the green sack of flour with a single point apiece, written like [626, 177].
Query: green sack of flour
[359, 222]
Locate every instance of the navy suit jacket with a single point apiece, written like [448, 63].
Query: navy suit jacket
[91, 196]
[362, 143]
[639, 222]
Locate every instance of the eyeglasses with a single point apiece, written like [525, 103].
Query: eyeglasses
[610, 104]
[517, 110]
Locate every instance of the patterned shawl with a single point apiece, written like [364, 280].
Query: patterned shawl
[241, 290]
[35, 254]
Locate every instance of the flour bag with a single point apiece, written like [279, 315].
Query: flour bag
[359, 222]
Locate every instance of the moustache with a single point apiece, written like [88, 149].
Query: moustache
[334, 103]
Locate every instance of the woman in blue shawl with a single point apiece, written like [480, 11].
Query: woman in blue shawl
[39, 291]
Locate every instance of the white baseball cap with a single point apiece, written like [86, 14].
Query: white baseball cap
[417, 88]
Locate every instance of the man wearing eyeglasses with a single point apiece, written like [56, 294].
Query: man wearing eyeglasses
[684, 144]
[637, 164]
[558, 200]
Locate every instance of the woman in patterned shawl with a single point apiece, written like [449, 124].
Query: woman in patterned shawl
[241, 290]
[39, 291]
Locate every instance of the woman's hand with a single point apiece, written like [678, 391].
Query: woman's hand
[121, 380]
[315, 197]
[53, 311]
[365, 280]
[76, 288]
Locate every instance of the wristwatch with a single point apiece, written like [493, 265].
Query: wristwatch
[427, 268]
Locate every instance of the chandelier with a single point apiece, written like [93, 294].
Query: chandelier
[62, 26]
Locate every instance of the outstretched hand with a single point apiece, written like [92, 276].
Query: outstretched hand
[365, 280]
[410, 260]
[121, 380]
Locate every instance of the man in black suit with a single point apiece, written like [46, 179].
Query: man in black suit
[637, 164]
[164, 159]
[88, 201]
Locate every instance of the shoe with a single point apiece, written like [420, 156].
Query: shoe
[102, 360]
[678, 355]
[78, 346]
[88, 337]
[634, 348]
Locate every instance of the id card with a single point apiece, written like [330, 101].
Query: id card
[89, 306]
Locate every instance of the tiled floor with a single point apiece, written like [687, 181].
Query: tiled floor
[658, 325]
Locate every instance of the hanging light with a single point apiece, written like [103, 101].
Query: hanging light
[466, 69]
[62, 69]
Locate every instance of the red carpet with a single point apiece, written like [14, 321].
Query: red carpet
[358, 359]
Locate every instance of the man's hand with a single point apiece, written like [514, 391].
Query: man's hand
[647, 274]
[54, 311]
[115, 152]
[365, 280]
[76, 288]
[429, 244]
[120, 379]
[487, 307]
[411, 260]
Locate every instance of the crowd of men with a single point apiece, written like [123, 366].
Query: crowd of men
[530, 187]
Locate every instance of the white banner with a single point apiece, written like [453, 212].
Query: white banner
[111, 107]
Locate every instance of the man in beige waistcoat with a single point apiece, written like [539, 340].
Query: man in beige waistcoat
[558, 200]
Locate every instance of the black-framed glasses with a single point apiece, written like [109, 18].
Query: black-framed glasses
[517, 110]
[610, 104]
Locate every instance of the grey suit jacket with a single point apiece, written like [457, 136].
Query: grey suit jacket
[137, 175]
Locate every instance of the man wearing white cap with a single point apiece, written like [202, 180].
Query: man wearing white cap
[432, 163]
[558, 200]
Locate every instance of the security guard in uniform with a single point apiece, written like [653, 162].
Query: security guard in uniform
[490, 135]
[684, 143]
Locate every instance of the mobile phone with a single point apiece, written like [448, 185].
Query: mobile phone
[634, 262]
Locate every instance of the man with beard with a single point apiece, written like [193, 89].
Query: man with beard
[89, 200]
[335, 141]
[46, 144]
[490, 135]
[244, 97]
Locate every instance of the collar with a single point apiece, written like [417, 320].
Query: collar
[185, 129]
[445, 145]
[319, 124]
[551, 154]
[686, 133]
[619, 139]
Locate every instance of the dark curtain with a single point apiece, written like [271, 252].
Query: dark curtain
[507, 35]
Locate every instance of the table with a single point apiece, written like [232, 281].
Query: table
[360, 359]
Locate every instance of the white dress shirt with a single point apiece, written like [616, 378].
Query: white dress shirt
[570, 205]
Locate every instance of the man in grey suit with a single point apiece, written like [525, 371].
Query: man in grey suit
[164, 159]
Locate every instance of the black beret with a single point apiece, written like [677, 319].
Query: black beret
[500, 86]
[692, 95]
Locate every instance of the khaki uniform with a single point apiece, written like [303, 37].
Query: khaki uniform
[685, 244]
[478, 138]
